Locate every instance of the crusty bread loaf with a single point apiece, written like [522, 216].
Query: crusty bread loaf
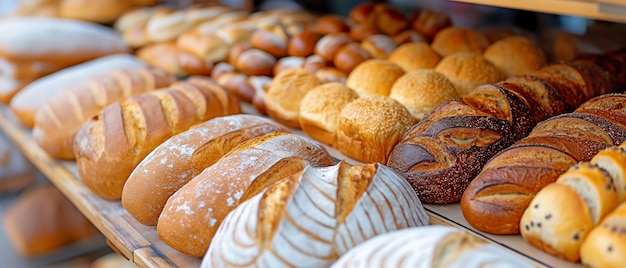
[428, 246]
[180, 158]
[285, 93]
[193, 214]
[67, 41]
[26, 103]
[604, 246]
[110, 145]
[42, 220]
[324, 211]
[374, 77]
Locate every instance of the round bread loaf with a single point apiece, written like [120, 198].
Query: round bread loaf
[467, 70]
[369, 128]
[329, 24]
[282, 101]
[453, 39]
[408, 36]
[420, 91]
[361, 31]
[374, 77]
[256, 62]
[414, 56]
[272, 42]
[235, 52]
[515, 55]
[320, 109]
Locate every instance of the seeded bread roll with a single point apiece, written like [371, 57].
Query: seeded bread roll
[285, 93]
[420, 91]
[319, 210]
[414, 56]
[467, 70]
[605, 245]
[515, 55]
[369, 128]
[193, 214]
[180, 158]
[374, 77]
[452, 40]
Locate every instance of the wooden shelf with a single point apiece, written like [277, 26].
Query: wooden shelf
[608, 10]
[141, 244]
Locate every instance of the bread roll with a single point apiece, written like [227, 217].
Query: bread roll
[287, 63]
[180, 158]
[467, 70]
[362, 13]
[67, 42]
[193, 214]
[369, 128]
[515, 55]
[408, 36]
[285, 94]
[327, 46]
[349, 56]
[99, 11]
[313, 217]
[314, 63]
[167, 26]
[452, 40]
[378, 46]
[63, 115]
[613, 161]
[111, 144]
[374, 77]
[42, 220]
[175, 60]
[428, 246]
[420, 91]
[389, 20]
[320, 109]
[237, 83]
[221, 68]
[209, 47]
[414, 56]
[361, 31]
[16, 172]
[604, 246]
[430, 22]
[26, 103]
[302, 44]
[331, 74]
[272, 42]
[256, 62]
[329, 24]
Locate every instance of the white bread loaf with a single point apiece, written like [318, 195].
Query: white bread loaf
[66, 41]
[605, 246]
[428, 246]
[192, 215]
[26, 103]
[177, 160]
[311, 218]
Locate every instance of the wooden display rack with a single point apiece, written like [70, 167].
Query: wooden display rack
[141, 244]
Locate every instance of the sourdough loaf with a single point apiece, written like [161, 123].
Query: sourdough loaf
[180, 158]
[110, 145]
[193, 214]
[312, 217]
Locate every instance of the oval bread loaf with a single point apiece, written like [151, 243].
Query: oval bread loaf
[176, 161]
[311, 218]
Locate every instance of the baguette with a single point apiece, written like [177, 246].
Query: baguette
[193, 214]
[110, 145]
[176, 161]
[311, 218]
[63, 115]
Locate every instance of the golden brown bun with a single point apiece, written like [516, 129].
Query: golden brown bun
[362, 13]
[37, 8]
[390, 20]
[236, 32]
[361, 31]
[237, 84]
[285, 93]
[374, 77]
[452, 40]
[99, 11]
[221, 68]
[168, 25]
[272, 42]
[168, 56]
[515, 55]
[414, 56]
[408, 36]
[330, 24]
[467, 70]
[303, 44]
[378, 46]
[605, 245]
[327, 46]
[430, 22]
[42, 220]
[560, 45]
[235, 52]
[369, 127]
[320, 109]
[287, 63]
[255, 62]
[499, 32]
[613, 160]
[314, 63]
[330, 74]
[209, 47]
[349, 56]
[420, 91]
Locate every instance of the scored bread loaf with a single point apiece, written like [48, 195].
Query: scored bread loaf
[110, 145]
[605, 245]
[428, 246]
[193, 214]
[63, 115]
[311, 218]
[177, 160]
[35, 95]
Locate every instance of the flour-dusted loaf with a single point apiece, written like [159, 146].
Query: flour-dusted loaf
[311, 218]
[110, 145]
[176, 161]
[193, 214]
[605, 245]
[428, 246]
[58, 120]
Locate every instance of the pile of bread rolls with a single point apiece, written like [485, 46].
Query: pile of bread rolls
[589, 226]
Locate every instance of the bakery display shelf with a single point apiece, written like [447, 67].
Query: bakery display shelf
[608, 10]
[141, 244]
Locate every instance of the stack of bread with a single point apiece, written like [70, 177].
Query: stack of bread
[589, 226]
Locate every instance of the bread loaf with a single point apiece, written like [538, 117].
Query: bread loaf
[285, 94]
[26, 103]
[467, 70]
[452, 40]
[420, 91]
[28, 69]
[428, 246]
[180, 158]
[374, 77]
[63, 115]
[604, 246]
[193, 214]
[110, 145]
[414, 56]
[311, 218]
[515, 55]
[99, 11]
[429, 22]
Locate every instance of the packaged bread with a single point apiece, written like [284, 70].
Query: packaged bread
[428, 246]
[63, 115]
[193, 214]
[183, 156]
[312, 217]
[25, 104]
[110, 145]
